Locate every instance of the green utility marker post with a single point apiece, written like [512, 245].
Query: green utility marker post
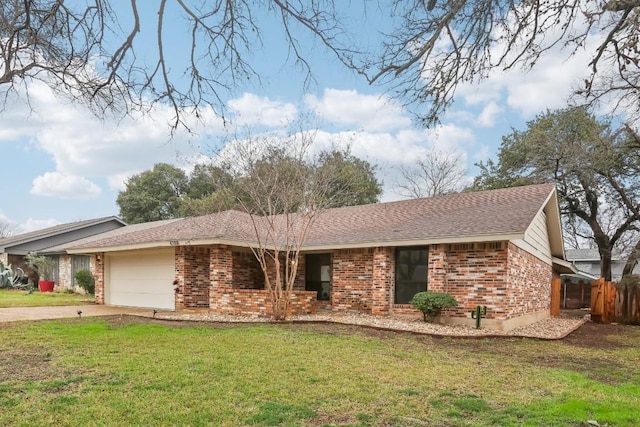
[478, 313]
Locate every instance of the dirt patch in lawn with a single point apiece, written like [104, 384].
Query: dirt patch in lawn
[597, 336]
[26, 364]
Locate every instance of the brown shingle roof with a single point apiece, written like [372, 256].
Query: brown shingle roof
[506, 211]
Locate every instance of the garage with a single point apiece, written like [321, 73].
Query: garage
[141, 279]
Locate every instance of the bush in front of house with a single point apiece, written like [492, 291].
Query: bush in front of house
[432, 303]
[86, 281]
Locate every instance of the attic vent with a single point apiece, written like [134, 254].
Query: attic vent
[495, 245]
[461, 247]
[476, 246]
[355, 251]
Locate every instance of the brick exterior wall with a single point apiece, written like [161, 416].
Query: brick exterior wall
[383, 279]
[528, 284]
[254, 302]
[98, 273]
[508, 280]
[234, 277]
[352, 280]
[247, 273]
[298, 283]
[220, 274]
[192, 274]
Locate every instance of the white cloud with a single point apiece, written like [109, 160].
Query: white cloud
[251, 109]
[549, 84]
[37, 224]
[372, 113]
[489, 114]
[83, 146]
[482, 154]
[55, 184]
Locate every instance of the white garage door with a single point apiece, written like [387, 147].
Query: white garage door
[141, 279]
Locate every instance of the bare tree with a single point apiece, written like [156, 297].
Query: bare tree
[7, 229]
[434, 174]
[440, 44]
[92, 51]
[283, 189]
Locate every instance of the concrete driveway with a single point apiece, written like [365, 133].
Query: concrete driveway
[39, 313]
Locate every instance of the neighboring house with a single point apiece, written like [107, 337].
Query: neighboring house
[50, 241]
[576, 289]
[588, 261]
[498, 248]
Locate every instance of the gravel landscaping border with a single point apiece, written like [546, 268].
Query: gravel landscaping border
[552, 328]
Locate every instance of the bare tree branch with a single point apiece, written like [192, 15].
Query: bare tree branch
[432, 50]
[434, 174]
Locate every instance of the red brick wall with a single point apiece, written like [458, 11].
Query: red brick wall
[250, 302]
[220, 273]
[298, 282]
[383, 279]
[98, 273]
[476, 274]
[528, 284]
[499, 275]
[192, 273]
[247, 273]
[352, 279]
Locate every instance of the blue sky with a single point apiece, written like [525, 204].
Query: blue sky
[61, 164]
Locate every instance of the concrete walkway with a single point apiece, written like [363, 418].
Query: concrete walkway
[40, 313]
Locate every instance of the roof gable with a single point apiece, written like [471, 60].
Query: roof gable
[58, 234]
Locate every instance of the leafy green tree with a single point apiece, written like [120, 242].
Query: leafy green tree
[596, 171]
[355, 181]
[208, 179]
[166, 192]
[218, 201]
[153, 195]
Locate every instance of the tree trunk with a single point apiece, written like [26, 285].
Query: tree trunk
[605, 263]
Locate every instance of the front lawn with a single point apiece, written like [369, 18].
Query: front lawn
[14, 298]
[133, 371]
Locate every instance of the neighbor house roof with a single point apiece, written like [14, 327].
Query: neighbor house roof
[61, 234]
[109, 234]
[503, 214]
[588, 255]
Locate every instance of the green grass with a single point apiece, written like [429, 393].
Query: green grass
[14, 298]
[129, 371]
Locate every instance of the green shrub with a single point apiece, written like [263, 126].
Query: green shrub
[86, 281]
[432, 303]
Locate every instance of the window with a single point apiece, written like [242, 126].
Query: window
[318, 275]
[79, 262]
[411, 273]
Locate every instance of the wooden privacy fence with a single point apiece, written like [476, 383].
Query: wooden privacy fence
[615, 303]
[627, 303]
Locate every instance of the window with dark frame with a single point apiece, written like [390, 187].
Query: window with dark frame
[411, 273]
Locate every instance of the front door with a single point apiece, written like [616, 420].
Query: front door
[318, 275]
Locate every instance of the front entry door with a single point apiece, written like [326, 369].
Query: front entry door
[318, 275]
